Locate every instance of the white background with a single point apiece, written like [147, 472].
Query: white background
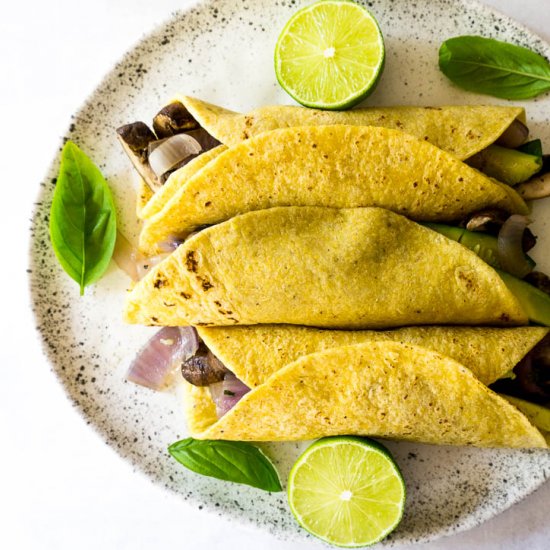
[61, 487]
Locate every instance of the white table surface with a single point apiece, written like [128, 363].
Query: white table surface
[61, 487]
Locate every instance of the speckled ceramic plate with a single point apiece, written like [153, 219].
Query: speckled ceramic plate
[222, 51]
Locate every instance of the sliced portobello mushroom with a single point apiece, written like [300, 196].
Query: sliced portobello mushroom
[203, 368]
[538, 186]
[206, 140]
[531, 380]
[135, 139]
[173, 119]
[156, 156]
[491, 221]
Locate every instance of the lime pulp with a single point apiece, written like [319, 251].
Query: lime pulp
[347, 491]
[330, 54]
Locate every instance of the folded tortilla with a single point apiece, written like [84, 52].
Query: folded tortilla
[336, 166]
[460, 130]
[155, 202]
[380, 389]
[254, 353]
[324, 267]
[144, 194]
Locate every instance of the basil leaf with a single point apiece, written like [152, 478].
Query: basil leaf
[82, 218]
[228, 460]
[495, 68]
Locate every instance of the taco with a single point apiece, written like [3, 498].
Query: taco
[335, 166]
[380, 389]
[324, 267]
[460, 130]
[254, 353]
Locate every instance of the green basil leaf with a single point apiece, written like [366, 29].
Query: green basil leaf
[495, 68]
[82, 218]
[228, 460]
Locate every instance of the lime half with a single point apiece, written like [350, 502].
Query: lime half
[330, 54]
[347, 491]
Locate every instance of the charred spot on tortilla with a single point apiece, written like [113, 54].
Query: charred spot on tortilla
[160, 281]
[185, 295]
[205, 283]
[191, 262]
[465, 276]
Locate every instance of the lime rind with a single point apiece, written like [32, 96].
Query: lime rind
[358, 58]
[324, 477]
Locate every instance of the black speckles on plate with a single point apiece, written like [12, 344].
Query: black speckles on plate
[222, 51]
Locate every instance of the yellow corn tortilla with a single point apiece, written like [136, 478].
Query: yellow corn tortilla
[200, 411]
[177, 179]
[143, 196]
[460, 130]
[254, 353]
[324, 267]
[336, 166]
[380, 389]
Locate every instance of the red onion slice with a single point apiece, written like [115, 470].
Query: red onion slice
[155, 364]
[515, 135]
[125, 256]
[131, 261]
[510, 246]
[164, 155]
[228, 393]
[144, 265]
[170, 244]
